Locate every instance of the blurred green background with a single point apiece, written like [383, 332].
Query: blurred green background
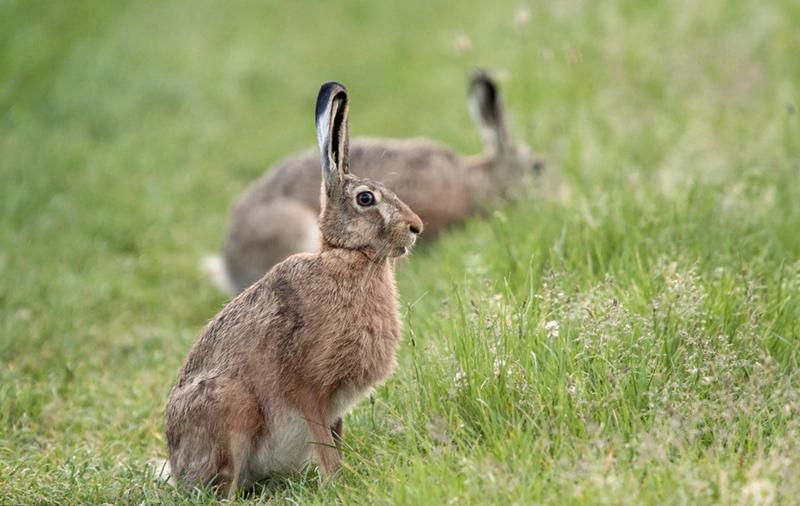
[628, 335]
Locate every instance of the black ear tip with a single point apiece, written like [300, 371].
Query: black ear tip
[331, 87]
[326, 93]
[479, 78]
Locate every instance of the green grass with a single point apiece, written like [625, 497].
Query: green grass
[630, 334]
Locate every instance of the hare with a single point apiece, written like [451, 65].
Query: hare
[271, 376]
[277, 216]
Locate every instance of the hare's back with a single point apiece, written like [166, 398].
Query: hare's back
[429, 177]
[432, 179]
[253, 327]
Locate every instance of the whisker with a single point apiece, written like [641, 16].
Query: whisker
[373, 265]
[368, 272]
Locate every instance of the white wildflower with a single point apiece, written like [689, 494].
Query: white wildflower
[552, 329]
[499, 364]
[459, 377]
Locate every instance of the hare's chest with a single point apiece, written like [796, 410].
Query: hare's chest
[372, 356]
[355, 328]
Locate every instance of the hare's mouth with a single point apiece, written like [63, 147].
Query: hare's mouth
[400, 251]
[403, 247]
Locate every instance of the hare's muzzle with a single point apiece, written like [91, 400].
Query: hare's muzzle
[415, 225]
[414, 228]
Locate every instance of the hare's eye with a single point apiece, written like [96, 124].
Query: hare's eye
[365, 199]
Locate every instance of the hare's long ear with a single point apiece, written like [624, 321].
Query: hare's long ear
[487, 112]
[332, 134]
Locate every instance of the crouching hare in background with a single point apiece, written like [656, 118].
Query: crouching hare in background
[277, 216]
[271, 376]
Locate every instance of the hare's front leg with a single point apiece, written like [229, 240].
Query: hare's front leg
[325, 447]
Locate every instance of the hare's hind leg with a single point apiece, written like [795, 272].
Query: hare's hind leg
[212, 425]
[261, 236]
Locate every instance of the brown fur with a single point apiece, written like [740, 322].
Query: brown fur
[272, 374]
[274, 217]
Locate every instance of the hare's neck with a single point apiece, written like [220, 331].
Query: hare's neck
[359, 262]
[355, 256]
[371, 283]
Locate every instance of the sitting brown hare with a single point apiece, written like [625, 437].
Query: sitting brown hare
[267, 383]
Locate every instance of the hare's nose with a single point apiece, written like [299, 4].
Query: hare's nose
[415, 226]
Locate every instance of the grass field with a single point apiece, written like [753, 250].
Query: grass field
[630, 334]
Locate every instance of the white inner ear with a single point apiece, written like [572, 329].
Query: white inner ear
[324, 127]
[490, 129]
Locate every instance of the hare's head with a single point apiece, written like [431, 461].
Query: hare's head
[358, 214]
[512, 163]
